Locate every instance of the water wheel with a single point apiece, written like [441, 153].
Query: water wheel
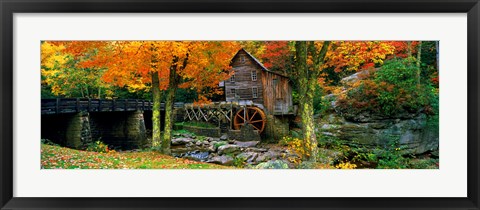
[250, 115]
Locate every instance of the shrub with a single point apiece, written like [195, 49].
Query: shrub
[239, 161]
[346, 165]
[98, 146]
[295, 145]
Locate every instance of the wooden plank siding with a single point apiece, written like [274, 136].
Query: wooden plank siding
[243, 66]
[276, 99]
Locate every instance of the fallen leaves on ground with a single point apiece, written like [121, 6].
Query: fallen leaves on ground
[56, 157]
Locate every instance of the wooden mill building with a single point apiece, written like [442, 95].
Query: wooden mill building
[253, 83]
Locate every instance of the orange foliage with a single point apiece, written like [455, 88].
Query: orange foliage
[200, 64]
[357, 55]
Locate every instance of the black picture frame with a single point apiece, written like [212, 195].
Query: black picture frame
[10, 7]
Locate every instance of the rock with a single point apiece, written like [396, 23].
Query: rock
[249, 157]
[223, 160]
[224, 137]
[181, 141]
[198, 143]
[246, 143]
[217, 144]
[228, 149]
[255, 149]
[211, 148]
[198, 156]
[272, 154]
[413, 132]
[273, 164]
[186, 135]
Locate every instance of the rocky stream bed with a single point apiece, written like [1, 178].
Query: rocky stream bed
[225, 151]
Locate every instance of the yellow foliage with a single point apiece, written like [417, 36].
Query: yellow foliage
[297, 146]
[346, 165]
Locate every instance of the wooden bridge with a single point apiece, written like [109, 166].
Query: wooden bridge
[75, 105]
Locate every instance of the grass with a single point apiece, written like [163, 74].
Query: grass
[56, 157]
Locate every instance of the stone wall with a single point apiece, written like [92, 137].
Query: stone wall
[78, 132]
[276, 128]
[125, 130]
[246, 133]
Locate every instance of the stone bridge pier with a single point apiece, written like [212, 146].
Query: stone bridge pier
[125, 130]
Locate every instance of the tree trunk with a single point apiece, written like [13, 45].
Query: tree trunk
[409, 48]
[167, 132]
[173, 81]
[307, 78]
[156, 114]
[419, 61]
[81, 91]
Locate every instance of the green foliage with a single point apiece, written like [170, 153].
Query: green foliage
[426, 163]
[320, 103]
[398, 88]
[219, 144]
[390, 91]
[180, 132]
[186, 95]
[98, 146]
[272, 164]
[239, 162]
[295, 133]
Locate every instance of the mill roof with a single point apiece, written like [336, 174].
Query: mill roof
[256, 61]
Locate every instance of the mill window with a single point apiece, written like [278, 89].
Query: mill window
[255, 92]
[254, 75]
[232, 79]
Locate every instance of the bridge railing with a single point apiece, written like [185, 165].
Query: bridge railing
[69, 105]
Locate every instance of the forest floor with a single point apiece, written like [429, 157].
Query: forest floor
[57, 157]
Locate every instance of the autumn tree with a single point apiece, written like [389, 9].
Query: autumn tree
[60, 73]
[159, 66]
[312, 58]
[277, 56]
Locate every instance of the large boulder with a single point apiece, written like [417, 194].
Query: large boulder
[246, 143]
[181, 141]
[222, 160]
[229, 149]
[411, 131]
[413, 135]
[249, 157]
